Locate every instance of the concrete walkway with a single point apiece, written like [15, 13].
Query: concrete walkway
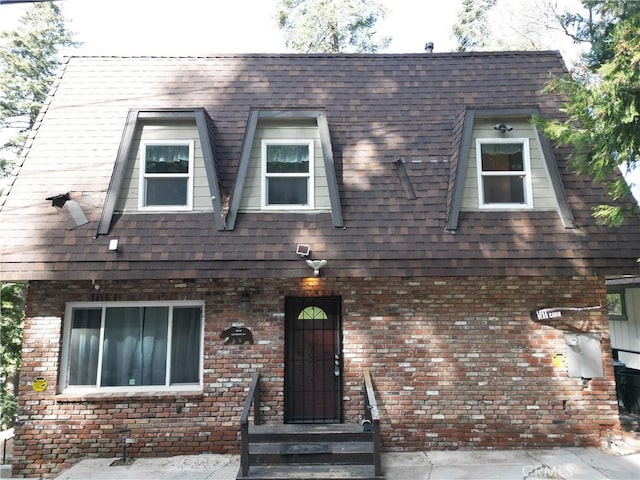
[560, 463]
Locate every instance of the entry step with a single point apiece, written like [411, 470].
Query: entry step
[316, 472]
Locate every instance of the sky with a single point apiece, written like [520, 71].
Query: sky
[196, 27]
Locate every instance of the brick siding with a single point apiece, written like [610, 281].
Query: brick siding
[457, 362]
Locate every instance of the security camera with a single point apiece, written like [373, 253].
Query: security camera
[503, 127]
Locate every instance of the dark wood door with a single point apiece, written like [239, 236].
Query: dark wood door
[313, 368]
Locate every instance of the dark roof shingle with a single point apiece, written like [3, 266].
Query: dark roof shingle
[380, 108]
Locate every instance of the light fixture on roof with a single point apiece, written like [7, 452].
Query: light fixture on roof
[503, 127]
[303, 250]
[75, 210]
[113, 245]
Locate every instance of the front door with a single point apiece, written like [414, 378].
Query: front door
[312, 371]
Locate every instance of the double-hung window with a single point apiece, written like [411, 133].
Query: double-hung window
[504, 173]
[127, 346]
[166, 175]
[287, 174]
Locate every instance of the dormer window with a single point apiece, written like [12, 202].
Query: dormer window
[166, 175]
[287, 179]
[286, 167]
[511, 171]
[504, 179]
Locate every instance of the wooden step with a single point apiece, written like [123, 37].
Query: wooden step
[316, 472]
[334, 453]
[301, 451]
[308, 433]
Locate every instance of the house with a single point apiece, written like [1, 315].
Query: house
[184, 223]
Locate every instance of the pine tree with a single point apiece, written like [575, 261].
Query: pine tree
[331, 26]
[603, 104]
[29, 58]
[472, 30]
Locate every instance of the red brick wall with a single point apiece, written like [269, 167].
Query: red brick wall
[457, 362]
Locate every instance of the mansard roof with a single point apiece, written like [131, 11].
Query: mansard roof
[394, 129]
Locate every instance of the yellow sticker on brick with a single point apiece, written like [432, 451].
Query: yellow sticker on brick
[559, 360]
[39, 384]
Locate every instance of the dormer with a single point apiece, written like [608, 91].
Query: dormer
[286, 166]
[165, 164]
[503, 163]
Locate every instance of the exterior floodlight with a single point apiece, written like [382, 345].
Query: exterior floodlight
[316, 265]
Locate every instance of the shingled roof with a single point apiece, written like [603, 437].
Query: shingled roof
[395, 122]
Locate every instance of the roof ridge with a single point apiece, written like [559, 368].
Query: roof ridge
[329, 55]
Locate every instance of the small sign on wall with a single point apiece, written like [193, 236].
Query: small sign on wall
[545, 314]
[236, 335]
[39, 384]
[559, 360]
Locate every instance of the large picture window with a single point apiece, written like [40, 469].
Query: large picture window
[132, 346]
[504, 175]
[287, 179]
[166, 175]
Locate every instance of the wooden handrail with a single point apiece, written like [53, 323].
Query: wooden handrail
[253, 396]
[373, 415]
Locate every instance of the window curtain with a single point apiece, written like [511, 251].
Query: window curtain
[84, 348]
[501, 148]
[135, 346]
[287, 159]
[185, 345]
[502, 157]
[167, 159]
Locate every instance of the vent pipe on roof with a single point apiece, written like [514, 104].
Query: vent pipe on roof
[428, 47]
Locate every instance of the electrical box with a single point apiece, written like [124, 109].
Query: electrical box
[584, 355]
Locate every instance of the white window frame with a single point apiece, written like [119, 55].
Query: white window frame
[65, 388]
[527, 183]
[142, 186]
[310, 205]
